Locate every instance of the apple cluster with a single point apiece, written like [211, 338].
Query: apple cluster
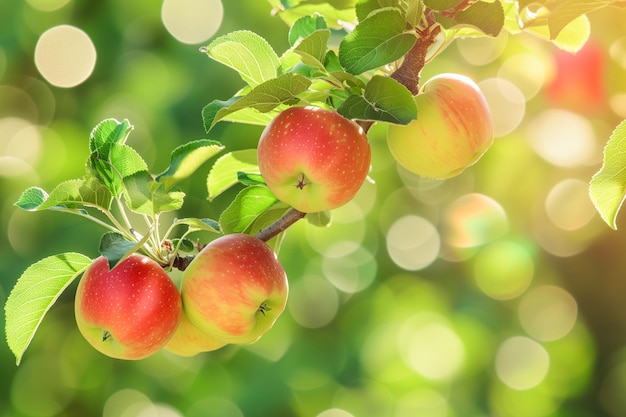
[232, 292]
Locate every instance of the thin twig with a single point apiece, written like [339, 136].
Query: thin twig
[280, 225]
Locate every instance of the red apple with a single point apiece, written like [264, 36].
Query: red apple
[188, 340]
[234, 289]
[129, 312]
[579, 80]
[452, 131]
[313, 159]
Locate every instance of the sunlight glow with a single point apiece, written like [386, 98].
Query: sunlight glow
[528, 72]
[548, 312]
[192, 21]
[568, 205]
[65, 56]
[563, 138]
[521, 363]
[313, 301]
[430, 346]
[473, 220]
[413, 242]
[506, 102]
[503, 270]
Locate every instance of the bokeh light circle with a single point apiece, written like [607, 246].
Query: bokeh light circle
[335, 412]
[506, 103]
[351, 273]
[563, 138]
[313, 301]
[521, 363]
[473, 220]
[568, 205]
[47, 5]
[430, 346]
[528, 72]
[413, 242]
[192, 21]
[548, 312]
[65, 56]
[503, 269]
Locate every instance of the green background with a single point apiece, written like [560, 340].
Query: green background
[496, 293]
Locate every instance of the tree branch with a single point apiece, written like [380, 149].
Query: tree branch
[408, 73]
[280, 225]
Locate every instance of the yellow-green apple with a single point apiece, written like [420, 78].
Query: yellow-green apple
[188, 340]
[234, 289]
[130, 311]
[313, 159]
[452, 131]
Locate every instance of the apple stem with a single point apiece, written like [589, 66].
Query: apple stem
[280, 225]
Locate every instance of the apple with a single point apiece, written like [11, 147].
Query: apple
[452, 131]
[234, 289]
[579, 80]
[313, 159]
[188, 340]
[130, 311]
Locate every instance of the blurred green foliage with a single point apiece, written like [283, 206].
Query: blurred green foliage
[497, 293]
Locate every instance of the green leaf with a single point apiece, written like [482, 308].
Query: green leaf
[223, 174]
[248, 54]
[569, 10]
[607, 188]
[109, 131]
[247, 206]
[378, 40]
[365, 7]
[572, 38]
[319, 219]
[31, 199]
[264, 97]
[248, 178]
[335, 17]
[35, 292]
[305, 26]
[384, 99]
[198, 225]
[253, 117]
[112, 162]
[186, 159]
[115, 247]
[312, 49]
[415, 12]
[266, 218]
[89, 192]
[146, 196]
[441, 4]
[486, 17]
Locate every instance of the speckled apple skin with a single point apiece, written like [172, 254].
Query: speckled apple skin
[313, 159]
[136, 303]
[234, 289]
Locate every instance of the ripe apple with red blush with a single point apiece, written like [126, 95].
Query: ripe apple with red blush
[130, 311]
[313, 159]
[452, 131]
[234, 289]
